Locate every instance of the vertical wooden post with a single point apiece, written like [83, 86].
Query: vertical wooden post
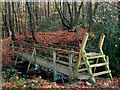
[100, 47]
[54, 64]
[101, 41]
[80, 54]
[70, 67]
[34, 54]
[107, 58]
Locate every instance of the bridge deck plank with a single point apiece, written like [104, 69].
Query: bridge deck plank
[46, 63]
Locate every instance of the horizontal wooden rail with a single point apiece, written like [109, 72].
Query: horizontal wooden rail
[53, 44]
[56, 49]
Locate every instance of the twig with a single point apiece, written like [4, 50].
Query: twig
[113, 5]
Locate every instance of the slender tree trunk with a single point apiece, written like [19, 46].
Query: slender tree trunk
[36, 13]
[5, 20]
[31, 19]
[14, 13]
[90, 16]
[83, 15]
[45, 9]
[19, 18]
[11, 22]
[48, 8]
[119, 15]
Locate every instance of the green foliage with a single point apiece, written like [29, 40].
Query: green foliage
[50, 24]
[8, 73]
[106, 22]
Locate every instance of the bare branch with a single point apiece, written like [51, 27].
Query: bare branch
[113, 5]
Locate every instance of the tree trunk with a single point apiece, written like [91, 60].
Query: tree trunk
[14, 13]
[31, 19]
[11, 22]
[19, 18]
[119, 15]
[45, 9]
[90, 16]
[5, 20]
[48, 8]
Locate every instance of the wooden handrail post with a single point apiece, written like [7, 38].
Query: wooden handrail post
[54, 64]
[80, 54]
[101, 41]
[35, 53]
[102, 37]
[70, 66]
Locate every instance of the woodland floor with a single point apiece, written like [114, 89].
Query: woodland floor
[62, 37]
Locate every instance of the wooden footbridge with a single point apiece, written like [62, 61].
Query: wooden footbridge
[66, 61]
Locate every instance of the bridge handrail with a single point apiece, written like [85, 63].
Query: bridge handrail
[75, 47]
[54, 49]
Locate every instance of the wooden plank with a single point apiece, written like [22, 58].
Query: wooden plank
[60, 61]
[59, 55]
[93, 57]
[93, 54]
[83, 69]
[50, 48]
[46, 63]
[53, 44]
[101, 73]
[83, 63]
[98, 65]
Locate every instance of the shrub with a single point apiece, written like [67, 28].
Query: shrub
[50, 24]
[111, 46]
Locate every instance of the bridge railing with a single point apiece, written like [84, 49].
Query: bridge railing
[56, 55]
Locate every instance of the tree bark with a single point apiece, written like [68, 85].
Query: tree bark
[14, 13]
[11, 22]
[5, 20]
[31, 19]
[48, 8]
[90, 16]
[119, 15]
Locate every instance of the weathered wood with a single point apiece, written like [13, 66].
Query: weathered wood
[60, 61]
[46, 63]
[80, 55]
[89, 69]
[101, 41]
[56, 49]
[83, 69]
[100, 47]
[54, 64]
[93, 57]
[28, 65]
[70, 66]
[101, 73]
[98, 65]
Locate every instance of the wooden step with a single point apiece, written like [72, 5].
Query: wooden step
[98, 65]
[83, 69]
[101, 73]
[93, 54]
[93, 57]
